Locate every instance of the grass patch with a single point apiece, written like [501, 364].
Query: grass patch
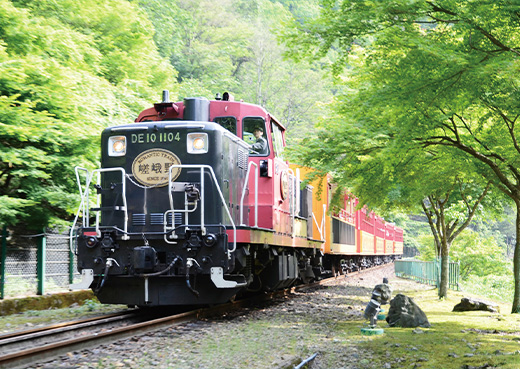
[496, 287]
[455, 340]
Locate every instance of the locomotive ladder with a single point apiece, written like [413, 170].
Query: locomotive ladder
[84, 204]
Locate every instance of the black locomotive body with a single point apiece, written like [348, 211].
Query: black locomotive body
[160, 237]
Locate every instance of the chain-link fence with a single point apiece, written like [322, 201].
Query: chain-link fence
[35, 263]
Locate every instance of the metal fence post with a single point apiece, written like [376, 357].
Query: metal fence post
[42, 243]
[71, 267]
[3, 257]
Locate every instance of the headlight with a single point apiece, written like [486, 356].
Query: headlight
[197, 143]
[117, 146]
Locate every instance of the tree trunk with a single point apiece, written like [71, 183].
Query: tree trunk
[516, 263]
[445, 257]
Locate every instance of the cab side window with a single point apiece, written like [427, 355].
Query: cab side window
[229, 123]
[277, 140]
[254, 134]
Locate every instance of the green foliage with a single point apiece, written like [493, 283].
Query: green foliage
[205, 41]
[18, 286]
[479, 256]
[426, 247]
[232, 46]
[497, 287]
[67, 69]
[91, 304]
[420, 78]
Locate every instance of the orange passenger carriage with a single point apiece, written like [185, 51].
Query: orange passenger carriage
[197, 203]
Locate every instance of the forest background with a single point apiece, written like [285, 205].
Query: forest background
[70, 68]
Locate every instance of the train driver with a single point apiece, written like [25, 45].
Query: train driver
[260, 146]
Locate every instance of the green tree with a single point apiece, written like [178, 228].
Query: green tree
[290, 91]
[477, 255]
[447, 220]
[441, 73]
[205, 41]
[387, 174]
[67, 70]
[240, 53]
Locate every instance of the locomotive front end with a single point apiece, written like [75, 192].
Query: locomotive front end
[164, 210]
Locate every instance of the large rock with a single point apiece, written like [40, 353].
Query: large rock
[472, 304]
[404, 312]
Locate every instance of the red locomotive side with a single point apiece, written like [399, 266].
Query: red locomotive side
[270, 212]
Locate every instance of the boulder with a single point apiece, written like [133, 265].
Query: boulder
[472, 304]
[405, 313]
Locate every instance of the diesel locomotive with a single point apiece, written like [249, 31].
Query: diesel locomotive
[194, 203]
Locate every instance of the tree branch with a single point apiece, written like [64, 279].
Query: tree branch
[437, 8]
[510, 124]
[471, 212]
[447, 141]
[495, 41]
[468, 128]
[431, 222]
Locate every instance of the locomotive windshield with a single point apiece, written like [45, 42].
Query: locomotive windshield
[254, 134]
[229, 123]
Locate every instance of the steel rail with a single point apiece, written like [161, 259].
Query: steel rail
[48, 351]
[18, 337]
[47, 328]
[44, 352]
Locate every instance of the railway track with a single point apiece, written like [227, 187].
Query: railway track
[20, 349]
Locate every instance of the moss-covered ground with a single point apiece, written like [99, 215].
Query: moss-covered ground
[476, 339]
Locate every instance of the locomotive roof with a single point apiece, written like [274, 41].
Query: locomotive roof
[167, 110]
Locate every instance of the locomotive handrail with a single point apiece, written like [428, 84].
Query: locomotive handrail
[292, 204]
[246, 182]
[298, 199]
[202, 197]
[81, 207]
[85, 200]
[173, 211]
[323, 223]
[125, 207]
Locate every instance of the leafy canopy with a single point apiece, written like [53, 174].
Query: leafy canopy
[67, 69]
[435, 76]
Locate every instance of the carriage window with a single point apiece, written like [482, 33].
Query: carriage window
[254, 134]
[277, 140]
[229, 123]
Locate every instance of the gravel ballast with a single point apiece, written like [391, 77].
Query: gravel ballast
[278, 336]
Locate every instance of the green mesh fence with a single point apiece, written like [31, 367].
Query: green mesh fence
[35, 263]
[427, 272]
